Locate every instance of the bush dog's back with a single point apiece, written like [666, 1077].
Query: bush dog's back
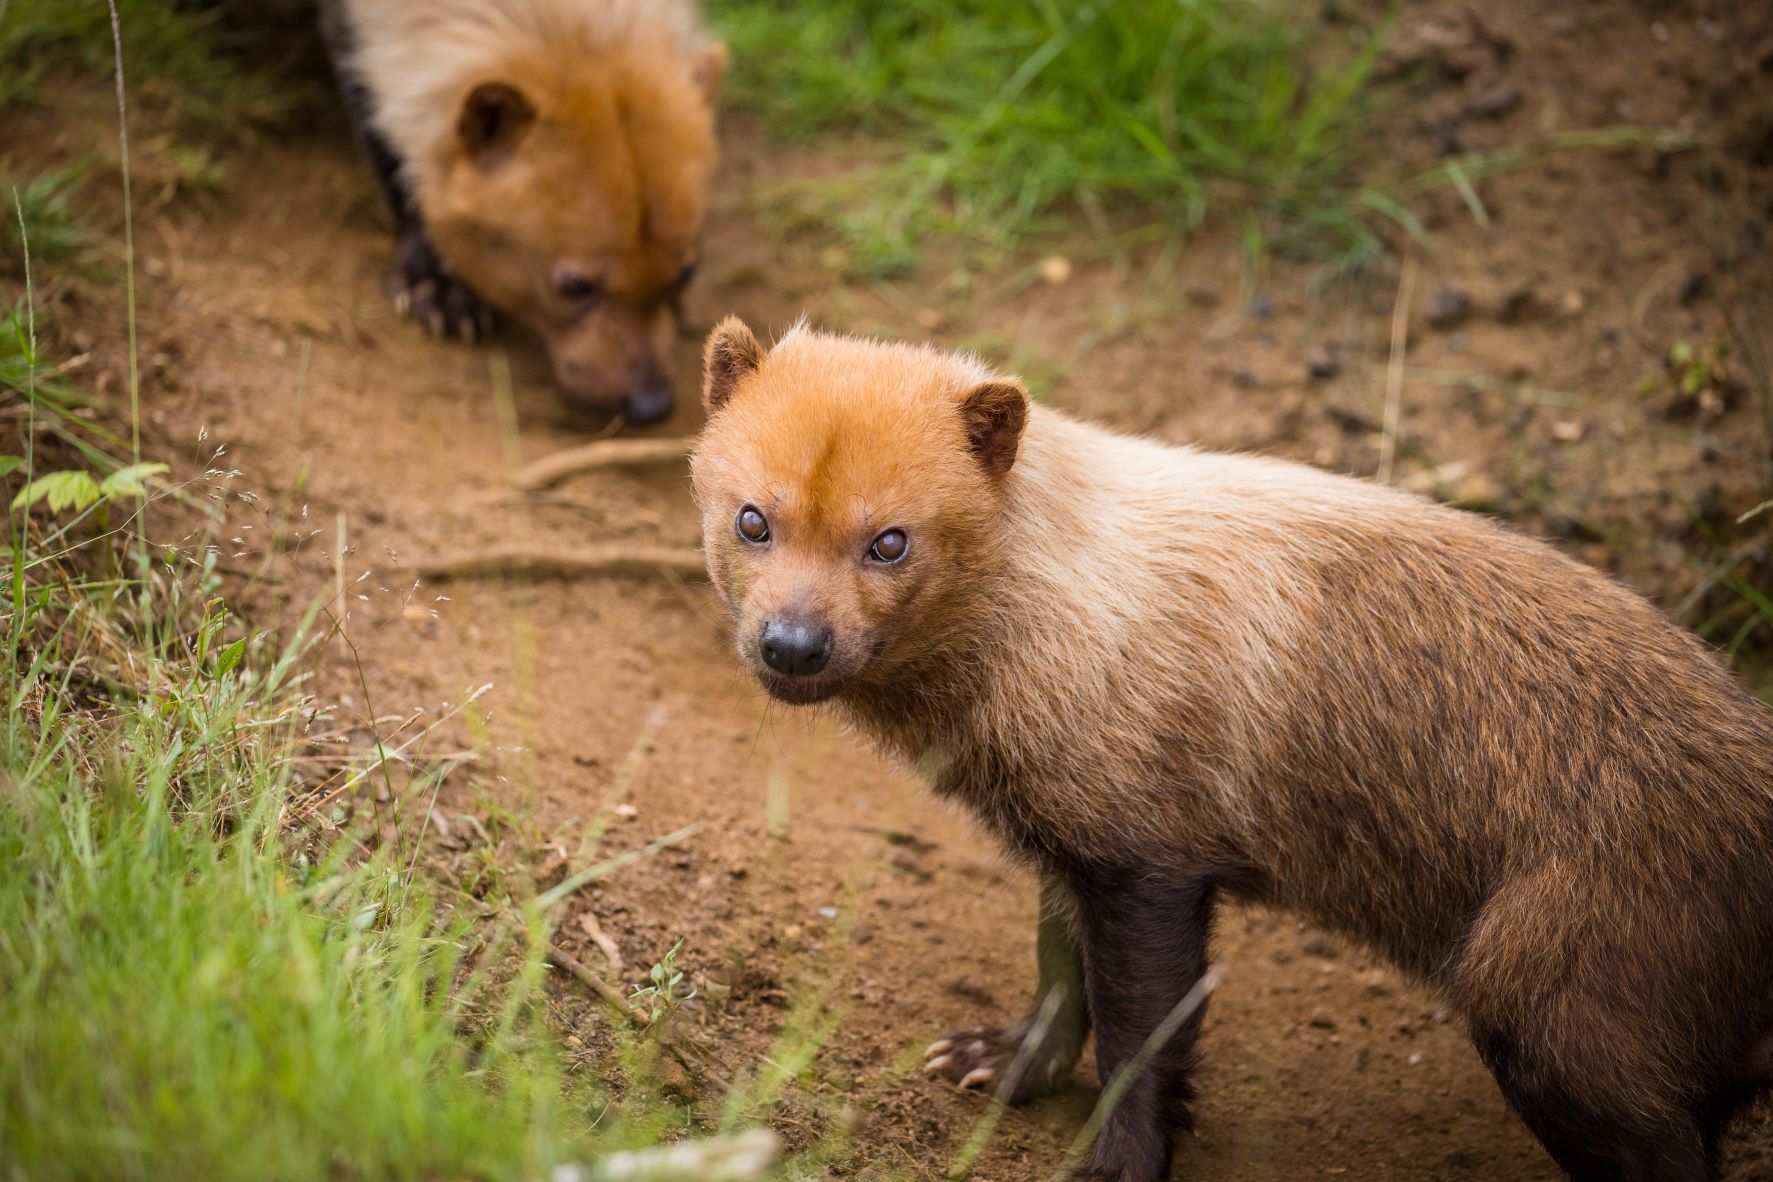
[1162, 675]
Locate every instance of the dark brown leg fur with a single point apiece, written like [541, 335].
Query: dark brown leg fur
[1035, 1055]
[1144, 941]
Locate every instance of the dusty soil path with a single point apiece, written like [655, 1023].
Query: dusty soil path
[820, 876]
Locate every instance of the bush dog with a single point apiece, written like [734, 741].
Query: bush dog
[550, 157]
[1165, 677]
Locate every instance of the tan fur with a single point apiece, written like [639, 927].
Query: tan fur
[611, 177]
[1500, 768]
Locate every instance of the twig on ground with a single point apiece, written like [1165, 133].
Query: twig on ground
[603, 453]
[593, 929]
[578, 968]
[587, 562]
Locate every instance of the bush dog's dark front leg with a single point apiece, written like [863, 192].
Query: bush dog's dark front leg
[420, 284]
[1033, 1056]
[1144, 938]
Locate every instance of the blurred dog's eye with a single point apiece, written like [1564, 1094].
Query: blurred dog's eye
[890, 546]
[683, 277]
[752, 525]
[576, 287]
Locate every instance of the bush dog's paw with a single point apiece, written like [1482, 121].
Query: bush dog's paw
[1004, 1060]
[424, 290]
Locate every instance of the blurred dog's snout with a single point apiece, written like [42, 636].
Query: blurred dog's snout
[650, 401]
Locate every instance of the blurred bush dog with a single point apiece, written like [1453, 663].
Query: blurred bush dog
[549, 157]
[1165, 677]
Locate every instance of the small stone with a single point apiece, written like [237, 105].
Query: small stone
[1415, 1059]
[1322, 362]
[626, 811]
[827, 913]
[906, 862]
[1263, 308]
[791, 932]
[1448, 307]
[1516, 305]
[1493, 101]
[1572, 302]
[1567, 430]
[1477, 491]
[1055, 269]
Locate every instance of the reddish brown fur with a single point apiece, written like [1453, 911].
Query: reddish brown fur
[1500, 768]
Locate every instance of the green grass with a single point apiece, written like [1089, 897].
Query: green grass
[180, 57]
[198, 979]
[38, 208]
[1012, 114]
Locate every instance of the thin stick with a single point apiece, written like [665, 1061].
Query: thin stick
[1394, 369]
[587, 562]
[596, 984]
[588, 921]
[604, 453]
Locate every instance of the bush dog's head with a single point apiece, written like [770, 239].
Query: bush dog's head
[574, 201]
[848, 488]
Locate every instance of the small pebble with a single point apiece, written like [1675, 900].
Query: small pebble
[1322, 364]
[1448, 307]
[1493, 101]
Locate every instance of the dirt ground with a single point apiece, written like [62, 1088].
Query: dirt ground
[821, 880]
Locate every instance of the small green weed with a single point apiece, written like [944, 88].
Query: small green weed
[667, 991]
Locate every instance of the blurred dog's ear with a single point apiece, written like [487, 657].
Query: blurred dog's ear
[493, 118]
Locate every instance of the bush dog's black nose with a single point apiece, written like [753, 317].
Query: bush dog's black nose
[797, 648]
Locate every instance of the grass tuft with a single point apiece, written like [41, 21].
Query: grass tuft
[1014, 113]
[185, 58]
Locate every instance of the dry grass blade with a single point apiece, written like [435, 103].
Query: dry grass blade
[604, 453]
[1394, 370]
[589, 562]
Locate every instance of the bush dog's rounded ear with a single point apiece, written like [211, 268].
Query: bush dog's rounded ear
[733, 355]
[709, 68]
[994, 414]
[494, 116]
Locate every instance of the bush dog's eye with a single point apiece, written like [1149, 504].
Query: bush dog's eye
[683, 277]
[576, 287]
[752, 525]
[890, 546]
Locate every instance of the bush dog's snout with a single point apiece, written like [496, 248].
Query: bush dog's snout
[795, 646]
